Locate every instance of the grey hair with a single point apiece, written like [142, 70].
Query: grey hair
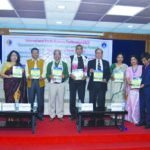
[98, 49]
[57, 50]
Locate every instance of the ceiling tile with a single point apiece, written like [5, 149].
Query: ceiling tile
[72, 0]
[141, 3]
[101, 29]
[12, 25]
[28, 5]
[10, 20]
[7, 13]
[80, 28]
[88, 17]
[65, 0]
[33, 21]
[107, 25]
[59, 16]
[83, 23]
[37, 26]
[93, 8]
[120, 30]
[64, 22]
[127, 26]
[146, 27]
[55, 27]
[113, 18]
[75, 28]
[52, 6]
[144, 13]
[139, 20]
[31, 14]
[78, 15]
[141, 31]
[100, 1]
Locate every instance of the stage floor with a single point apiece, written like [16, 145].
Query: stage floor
[63, 135]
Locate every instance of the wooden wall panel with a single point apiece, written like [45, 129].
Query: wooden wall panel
[4, 31]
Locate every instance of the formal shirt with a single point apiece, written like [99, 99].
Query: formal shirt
[80, 63]
[101, 64]
[35, 66]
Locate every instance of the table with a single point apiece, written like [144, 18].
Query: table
[113, 116]
[31, 123]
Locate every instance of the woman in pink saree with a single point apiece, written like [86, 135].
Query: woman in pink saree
[132, 105]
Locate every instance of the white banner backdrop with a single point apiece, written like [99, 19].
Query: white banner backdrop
[47, 44]
[24, 44]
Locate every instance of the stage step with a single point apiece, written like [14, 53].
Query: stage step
[63, 135]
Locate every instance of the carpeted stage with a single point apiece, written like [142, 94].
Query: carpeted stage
[59, 135]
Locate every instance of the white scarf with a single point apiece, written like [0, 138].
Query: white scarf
[60, 65]
[75, 63]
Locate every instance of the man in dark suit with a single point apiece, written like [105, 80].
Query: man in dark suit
[145, 93]
[78, 62]
[97, 89]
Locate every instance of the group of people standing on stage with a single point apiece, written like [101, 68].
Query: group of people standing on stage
[31, 85]
[136, 99]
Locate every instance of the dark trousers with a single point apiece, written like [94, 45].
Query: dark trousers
[76, 86]
[144, 104]
[96, 94]
[38, 91]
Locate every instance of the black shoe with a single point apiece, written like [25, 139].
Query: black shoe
[71, 118]
[30, 122]
[147, 126]
[140, 124]
[61, 119]
[52, 119]
[92, 118]
[40, 118]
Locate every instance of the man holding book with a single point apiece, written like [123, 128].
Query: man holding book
[77, 80]
[35, 73]
[57, 74]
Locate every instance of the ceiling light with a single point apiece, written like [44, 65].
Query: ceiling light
[130, 26]
[45, 32]
[124, 10]
[61, 6]
[5, 5]
[58, 22]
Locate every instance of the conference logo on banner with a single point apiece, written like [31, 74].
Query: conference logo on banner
[9, 42]
[104, 45]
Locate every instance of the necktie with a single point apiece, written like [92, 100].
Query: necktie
[99, 65]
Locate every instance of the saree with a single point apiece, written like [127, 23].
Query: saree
[14, 88]
[133, 106]
[118, 89]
